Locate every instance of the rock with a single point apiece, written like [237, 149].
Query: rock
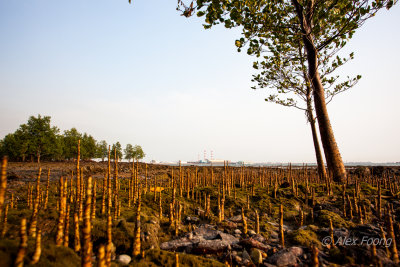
[246, 262]
[153, 222]
[230, 225]
[238, 259]
[256, 256]
[273, 235]
[246, 255]
[297, 251]
[203, 240]
[341, 235]
[175, 245]
[283, 258]
[237, 247]
[192, 219]
[251, 232]
[236, 219]
[214, 245]
[259, 238]
[252, 243]
[124, 259]
[274, 240]
[237, 231]
[365, 230]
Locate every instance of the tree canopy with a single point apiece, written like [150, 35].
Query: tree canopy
[102, 150]
[138, 152]
[116, 150]
[39, 140]
[36, 138]
[134, 152]
[129, 153]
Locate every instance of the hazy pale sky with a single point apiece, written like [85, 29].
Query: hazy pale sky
[144, 75]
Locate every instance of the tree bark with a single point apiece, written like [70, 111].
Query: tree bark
[311, 119]
[331, 149]
[318, 154]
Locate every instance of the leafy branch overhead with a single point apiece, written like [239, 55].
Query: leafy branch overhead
[272, 30]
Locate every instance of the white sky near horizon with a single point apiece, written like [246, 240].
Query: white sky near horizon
[142, 74]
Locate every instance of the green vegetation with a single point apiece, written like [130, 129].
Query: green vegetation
[304, 238]
[337, 220]
[134, 152]
[52, 255]
[116, 150]
[39, 140]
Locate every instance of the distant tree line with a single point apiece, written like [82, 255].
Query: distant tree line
[38, 140]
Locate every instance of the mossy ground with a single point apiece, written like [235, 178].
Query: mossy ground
[155, 230]
[304, 238]
[156, 257]
[52, 255]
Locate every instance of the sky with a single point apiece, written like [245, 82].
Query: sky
[143, 74]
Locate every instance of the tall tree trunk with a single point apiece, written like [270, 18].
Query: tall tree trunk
[311, 119]
[332, 154]
[331, 149]
[318, 153]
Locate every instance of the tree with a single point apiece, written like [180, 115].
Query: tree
[88, 146]
[58, 152]
[102, 150]
[36, 139]
[70, 142]
[9, 147]
[321, 27]
[16, 145]
[129, 152]
[138, 152]
[116, 150]
[287, 78]
[42, 137]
